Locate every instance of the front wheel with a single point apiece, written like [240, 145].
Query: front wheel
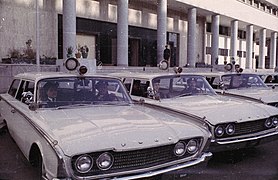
[36, 161]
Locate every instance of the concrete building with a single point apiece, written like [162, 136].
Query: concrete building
[135, 32]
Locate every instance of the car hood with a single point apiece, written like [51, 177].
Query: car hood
[266, 95]
[116, 128]
[218, 109]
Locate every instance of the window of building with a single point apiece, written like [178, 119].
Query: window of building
[223, 52]
[268, 9]
[242, 34]
[274, 12]
[262, 7]
[257, 4]
[224, 30]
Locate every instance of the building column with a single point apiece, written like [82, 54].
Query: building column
[69, 25]
[103, 9]
[161, 28]
[262, 43]
[122, 33]
[191, 37]
[273, 50]
[234, 32]
[249, 47]
[215, 39]
[201, 57]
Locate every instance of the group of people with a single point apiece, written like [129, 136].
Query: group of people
[190, 88]
[50, 92]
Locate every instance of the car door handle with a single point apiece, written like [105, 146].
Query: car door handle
[13, 111]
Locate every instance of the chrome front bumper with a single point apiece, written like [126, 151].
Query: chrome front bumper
[225, 145]
[205, 157]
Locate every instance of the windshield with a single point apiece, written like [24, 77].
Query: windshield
[181, 85]
[69, 91]
[235, 81]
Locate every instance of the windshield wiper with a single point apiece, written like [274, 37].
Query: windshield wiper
[72, 106]
[118, 103]
[184, 94]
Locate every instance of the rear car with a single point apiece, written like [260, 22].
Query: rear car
[234, 123]
[243, 85]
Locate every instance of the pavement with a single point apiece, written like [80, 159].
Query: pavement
[259, 163]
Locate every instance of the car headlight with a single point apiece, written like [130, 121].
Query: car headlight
[179, 149]
[219, 131]
[268, 122]
[105, 161]
[84, 163]
[192, 146]
[275, 121]
[230, 129]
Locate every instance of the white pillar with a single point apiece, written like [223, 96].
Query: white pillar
[191, 40]
[249, 47]
[69, 25]
[234, 32]
[122, 33]
[104, 9]
[215, 39]
[38, 37]
[262, 43]
[161, 28]
[273, 50]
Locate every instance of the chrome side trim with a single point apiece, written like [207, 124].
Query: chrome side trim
[52, 142]
[239, 96]
[196, 118]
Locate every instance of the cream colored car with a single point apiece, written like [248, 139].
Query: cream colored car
[90, 129]
[243, 85]
[233, 122]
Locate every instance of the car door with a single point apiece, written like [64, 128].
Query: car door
[17, 113]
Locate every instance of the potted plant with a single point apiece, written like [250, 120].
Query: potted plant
[69, 51]
[78, 53]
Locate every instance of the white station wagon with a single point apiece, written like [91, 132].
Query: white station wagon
[234, 123]
[87, 127]
[243, 85]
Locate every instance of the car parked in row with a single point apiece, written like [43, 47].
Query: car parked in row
[82, 126]
[270, 79]
[234, 123]
[243, 85]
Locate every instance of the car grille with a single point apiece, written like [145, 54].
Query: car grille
[250, 127]
[136, 159]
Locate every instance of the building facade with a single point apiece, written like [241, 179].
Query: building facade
[135, 32]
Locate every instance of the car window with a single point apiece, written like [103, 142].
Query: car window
[13, 87]
[174, 86]
[20, 91]
[234, 81]
[127, 83]
[89, 90]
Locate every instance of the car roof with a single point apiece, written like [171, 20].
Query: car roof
[36, 76]
[147, 75]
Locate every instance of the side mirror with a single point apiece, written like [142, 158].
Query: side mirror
[141, 101]
[33, 106]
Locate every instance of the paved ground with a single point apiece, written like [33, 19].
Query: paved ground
[259, 163]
